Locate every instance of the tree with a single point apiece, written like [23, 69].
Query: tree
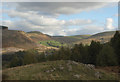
[93, 50]
[106, 57]
[75, 53]
[14, 62]
[30, 57]
[115, 42]
[84, 53]
[41, 57]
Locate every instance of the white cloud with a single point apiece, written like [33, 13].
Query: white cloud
[109, 24]
[41, 20]
[89, 29]
[78, 22]
[53, 30]
[30, 21]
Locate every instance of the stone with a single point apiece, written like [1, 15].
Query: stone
[77, 76]
[98, 75]
[70, 68]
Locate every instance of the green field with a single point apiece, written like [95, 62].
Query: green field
[57, 70]
[52, 43]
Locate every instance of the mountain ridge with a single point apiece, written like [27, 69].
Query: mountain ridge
[21, 39]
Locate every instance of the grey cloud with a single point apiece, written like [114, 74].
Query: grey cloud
[57, 8]
[60, 1]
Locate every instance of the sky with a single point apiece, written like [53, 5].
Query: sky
[60, 18]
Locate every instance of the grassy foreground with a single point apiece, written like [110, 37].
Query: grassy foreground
[57, 70]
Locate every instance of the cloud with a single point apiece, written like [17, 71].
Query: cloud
[48, 27]
[57, 8]
[54, 30]
[60, 1]
[41, 20]
[30, 21]
[89, 29]
[109, 24]
[42, 17]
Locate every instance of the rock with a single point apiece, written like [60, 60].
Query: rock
[54, 68]
[98, 75]
[73, 62]
[70, 68]
[47, 71]
[69, 62]
[61, 68]
[77, 76]
[90, 66]
[51, 70]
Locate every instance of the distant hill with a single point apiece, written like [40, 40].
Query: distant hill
[52, 43]
[13, 40]
[102, 34]
[64, 39]
[69, 39]
[80, 36]
[21, 39]
[38, 36]
[102, 37]
[35, 32]
[57, 70]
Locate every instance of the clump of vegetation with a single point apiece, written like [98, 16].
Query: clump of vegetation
[52, 43]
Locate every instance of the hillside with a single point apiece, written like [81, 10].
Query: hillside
[38, 36]
[19, 39]
[80, 36]
[14, 41]
[64, 39]
[57, 70]
[69, 39]
[52, 43]
[44, 39]
[103, 37]
[23, 40]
